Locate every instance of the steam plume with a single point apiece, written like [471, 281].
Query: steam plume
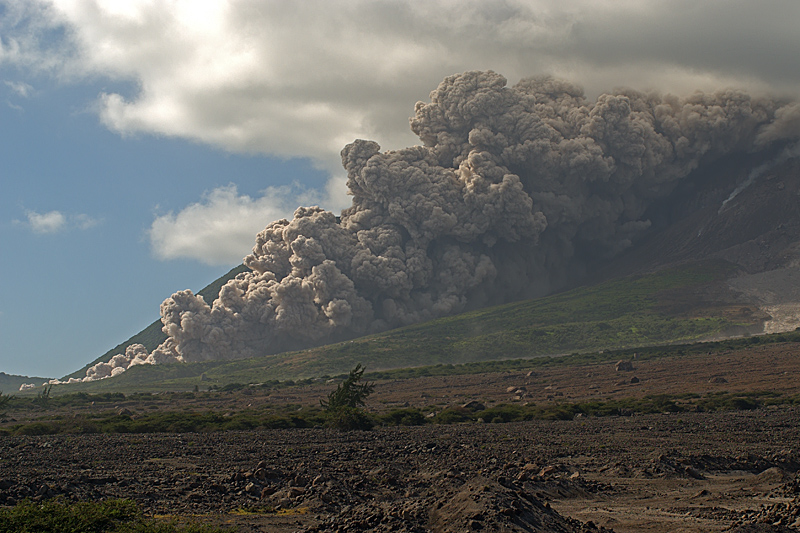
[513, 193]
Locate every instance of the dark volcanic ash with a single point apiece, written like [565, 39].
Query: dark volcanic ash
[514, 192]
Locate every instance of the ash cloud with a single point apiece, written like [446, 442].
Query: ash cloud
[514, 192]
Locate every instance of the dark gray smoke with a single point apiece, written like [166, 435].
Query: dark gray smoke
[514, 192]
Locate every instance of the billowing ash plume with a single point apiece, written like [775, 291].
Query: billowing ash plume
[513, 193]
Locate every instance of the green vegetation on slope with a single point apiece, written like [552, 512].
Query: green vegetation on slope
[616, 314]
[586, 358]
[625, 313]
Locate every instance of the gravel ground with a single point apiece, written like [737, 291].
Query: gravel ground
[667, 472]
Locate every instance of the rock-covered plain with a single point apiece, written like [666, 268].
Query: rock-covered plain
[686, 471]
[662, 472]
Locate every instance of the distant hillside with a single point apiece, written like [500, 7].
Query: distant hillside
[678, 304]
[10, 383]
[152, 335]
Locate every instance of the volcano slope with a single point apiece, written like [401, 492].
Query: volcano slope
[749, 243]
[514, 192]
[686, 467]
[755, 226]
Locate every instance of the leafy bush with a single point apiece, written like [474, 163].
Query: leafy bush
[56, 517]
[725, 401]
[233, 387]
[503, 413]
[342, 406]
[404, 417]
[743, 404]
[556, 412]
[347, 418]
[454, 415]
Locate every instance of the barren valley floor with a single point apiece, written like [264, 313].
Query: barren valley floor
[664, 472]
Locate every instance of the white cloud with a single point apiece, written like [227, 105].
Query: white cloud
[84, 221]
[20, 88]
[56, 221]
[221, 228]
[51, 222]
[304, 78]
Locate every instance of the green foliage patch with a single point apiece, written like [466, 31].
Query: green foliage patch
[350, 392]
[345, 418]
[173, 422]
[4, 399]
[112, 516]
[403, 417]
[349, 418]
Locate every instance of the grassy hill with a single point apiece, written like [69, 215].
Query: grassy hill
[654, 309]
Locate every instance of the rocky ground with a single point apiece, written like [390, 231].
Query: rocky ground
[687, 472]
[680, 472]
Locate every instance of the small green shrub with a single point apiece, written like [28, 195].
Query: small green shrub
[54, 516]
[347, 418]
[454, 415]
[743, 404]
[404, 417]
[558, 412]
[342, 405]
[85, 427]
[4, 399]
[503, 413]
[43, 398]
[349, 393]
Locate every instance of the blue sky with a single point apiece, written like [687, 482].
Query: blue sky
[78, 286]
[145, 143]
